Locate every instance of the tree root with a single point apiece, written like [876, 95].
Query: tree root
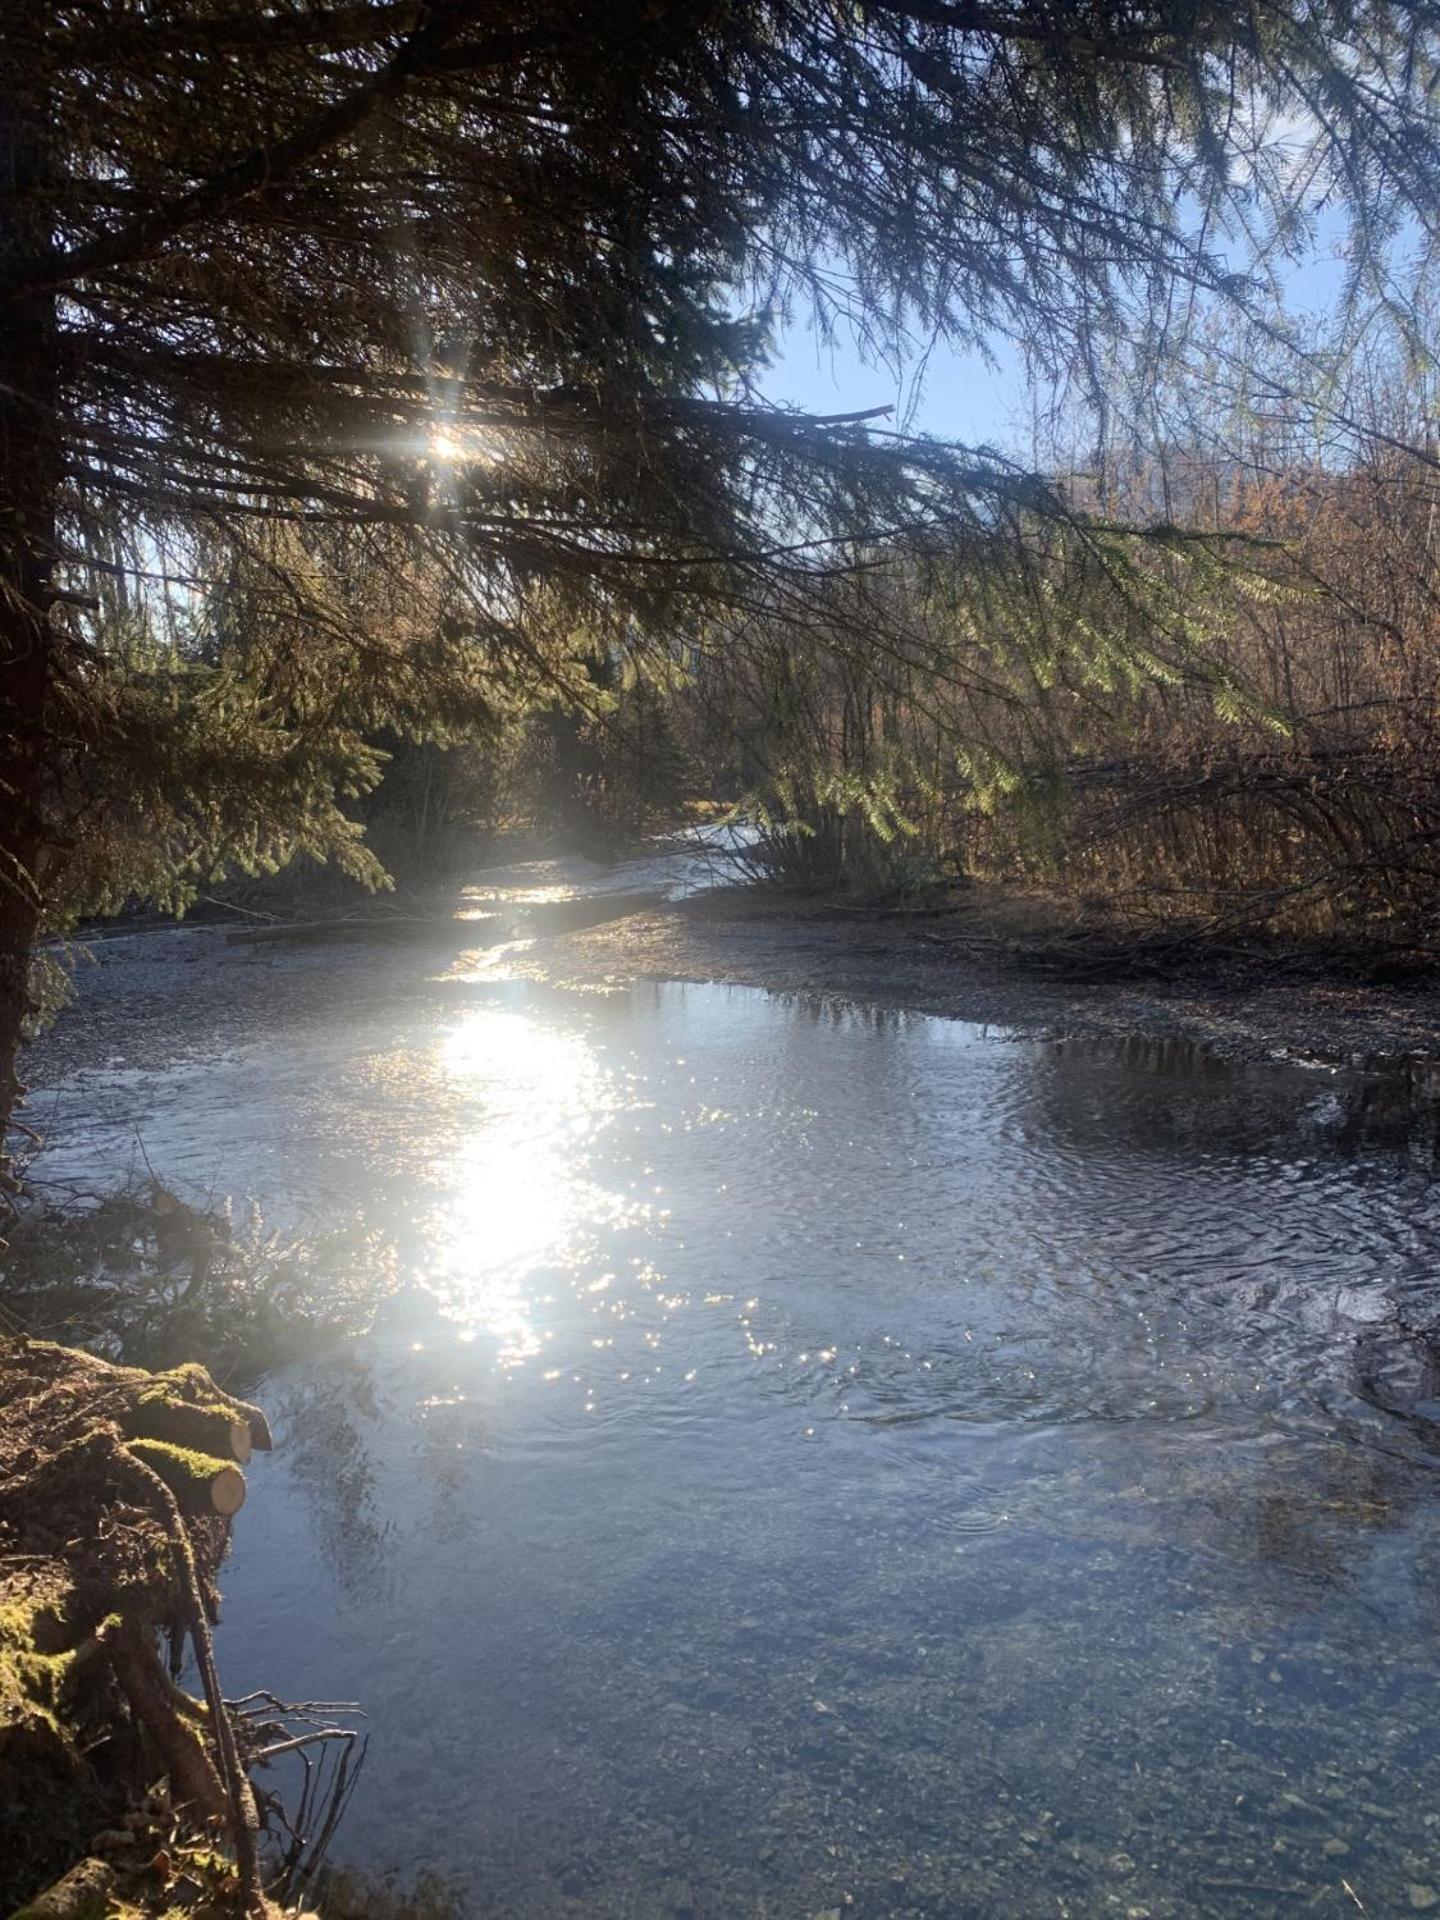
[194, 1779]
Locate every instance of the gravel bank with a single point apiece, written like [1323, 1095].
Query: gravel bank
[145, 999]
[901, 960]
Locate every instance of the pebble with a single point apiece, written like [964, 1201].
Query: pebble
[1422, 1899]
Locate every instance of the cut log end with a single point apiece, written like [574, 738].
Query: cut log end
[227, 1491]
[218, 1427]
[200, 1483]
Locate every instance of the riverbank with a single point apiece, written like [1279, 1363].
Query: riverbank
[146, 998]
[117, 1490]
[997, 962]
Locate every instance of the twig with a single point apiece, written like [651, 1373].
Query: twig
[313, 1738]
[228, 906]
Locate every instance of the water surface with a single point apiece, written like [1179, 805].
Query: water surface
[820, 1460]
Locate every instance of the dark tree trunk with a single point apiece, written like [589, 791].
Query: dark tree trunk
[29, 486]
[577, 771]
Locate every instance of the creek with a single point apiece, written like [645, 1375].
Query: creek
[820, 1461]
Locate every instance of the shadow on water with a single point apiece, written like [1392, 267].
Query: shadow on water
[836, 1461]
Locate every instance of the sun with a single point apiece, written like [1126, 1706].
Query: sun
[453, 446]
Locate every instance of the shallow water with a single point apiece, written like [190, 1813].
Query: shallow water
[825, 1460]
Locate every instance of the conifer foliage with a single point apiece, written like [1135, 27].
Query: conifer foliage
[377, 363]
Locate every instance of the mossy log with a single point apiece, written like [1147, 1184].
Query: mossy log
[191, 1382]
[85, 1893]
[201, 1426]
[200, 1483]
[72, 1374]
[110, 1537]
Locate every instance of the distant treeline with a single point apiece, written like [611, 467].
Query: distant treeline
[1283, 775]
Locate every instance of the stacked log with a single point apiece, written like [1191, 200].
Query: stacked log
[117, 1488]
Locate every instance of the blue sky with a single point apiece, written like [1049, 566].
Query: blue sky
[958, 396]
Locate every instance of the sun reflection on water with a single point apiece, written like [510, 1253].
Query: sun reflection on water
[520, 1175]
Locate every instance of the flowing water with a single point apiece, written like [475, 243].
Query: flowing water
[825, 1462]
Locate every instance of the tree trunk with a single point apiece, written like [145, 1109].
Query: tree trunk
[30, 471]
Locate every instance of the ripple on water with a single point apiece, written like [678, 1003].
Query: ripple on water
[886, 1466]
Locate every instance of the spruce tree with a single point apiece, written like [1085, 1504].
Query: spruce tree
[376, 363]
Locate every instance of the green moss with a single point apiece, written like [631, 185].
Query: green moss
[84, 1894]
[208, 1426]
[104, 1567]
[190, 1374]
[32, 1683]
[197, 1480]
[183, 1463]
